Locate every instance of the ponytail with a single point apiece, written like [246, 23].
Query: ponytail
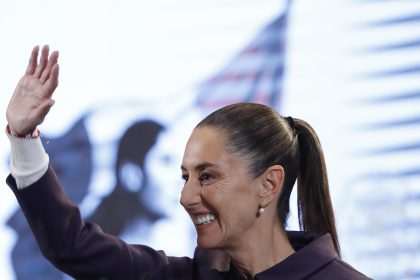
[315, 209]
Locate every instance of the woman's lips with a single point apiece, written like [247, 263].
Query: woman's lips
[203, 219]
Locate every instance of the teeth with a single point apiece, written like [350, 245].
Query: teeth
[205, 219]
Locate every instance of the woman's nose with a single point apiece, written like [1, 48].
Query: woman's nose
[190, 194]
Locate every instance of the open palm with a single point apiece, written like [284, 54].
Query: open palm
[31, 100]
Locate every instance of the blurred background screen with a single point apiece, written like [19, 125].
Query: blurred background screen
[136, 76]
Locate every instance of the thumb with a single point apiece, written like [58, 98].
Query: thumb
[44, 110]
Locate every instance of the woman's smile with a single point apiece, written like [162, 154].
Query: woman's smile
[204, 219]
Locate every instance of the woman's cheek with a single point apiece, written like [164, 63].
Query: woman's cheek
[217, 194]
[224, 185]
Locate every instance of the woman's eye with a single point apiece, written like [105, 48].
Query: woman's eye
[185, 177]
[205, 177]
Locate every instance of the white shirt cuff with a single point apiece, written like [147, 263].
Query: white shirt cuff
[28, 160]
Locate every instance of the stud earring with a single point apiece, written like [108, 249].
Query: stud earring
[261, 210]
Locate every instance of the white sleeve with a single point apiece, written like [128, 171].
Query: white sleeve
[28, 160]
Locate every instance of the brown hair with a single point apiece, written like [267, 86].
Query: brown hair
[260, 134]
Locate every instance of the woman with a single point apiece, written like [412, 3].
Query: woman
[239, 167]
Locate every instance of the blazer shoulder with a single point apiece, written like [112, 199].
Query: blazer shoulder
[346, 271]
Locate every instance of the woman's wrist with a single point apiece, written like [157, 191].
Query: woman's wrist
[34, 134]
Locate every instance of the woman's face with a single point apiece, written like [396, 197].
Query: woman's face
[219, 194]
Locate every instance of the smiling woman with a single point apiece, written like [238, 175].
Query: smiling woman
[240, 165]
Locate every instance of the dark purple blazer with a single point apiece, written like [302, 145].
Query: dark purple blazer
[84, 251]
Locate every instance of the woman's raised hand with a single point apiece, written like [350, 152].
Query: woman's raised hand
[31, 100]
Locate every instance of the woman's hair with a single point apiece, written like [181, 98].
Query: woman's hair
[265, 138]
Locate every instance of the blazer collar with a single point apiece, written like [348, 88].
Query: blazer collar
[313, 251]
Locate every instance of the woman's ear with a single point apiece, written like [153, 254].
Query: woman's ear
[271, 183]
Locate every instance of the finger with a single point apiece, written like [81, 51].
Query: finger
[51, 84]
[33, 61]
[43, 61]
[51, 62]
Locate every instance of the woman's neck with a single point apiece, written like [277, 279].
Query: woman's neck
[261, 251]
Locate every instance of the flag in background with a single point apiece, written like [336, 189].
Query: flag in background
[254, 75]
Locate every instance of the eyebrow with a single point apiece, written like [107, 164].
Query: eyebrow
[201, 166]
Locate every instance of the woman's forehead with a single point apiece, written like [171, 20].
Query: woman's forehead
[205, 145]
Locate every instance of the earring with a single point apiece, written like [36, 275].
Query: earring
[261, 210]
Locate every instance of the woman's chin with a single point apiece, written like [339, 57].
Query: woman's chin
[205, 244]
